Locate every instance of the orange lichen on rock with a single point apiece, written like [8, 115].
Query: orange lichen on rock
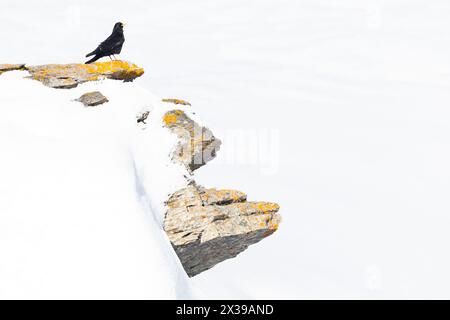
[11, 67]
[266, 207]
[274, 226]
[269, 220]
[121, 70]
[221, 197]
[196, 144]
[207, 226]
[231, 195]
[171, 117]
[177, 101]
[70, 75]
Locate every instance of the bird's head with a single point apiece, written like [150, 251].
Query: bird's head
[118, 27]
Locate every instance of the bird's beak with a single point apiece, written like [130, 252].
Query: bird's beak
[124, 24]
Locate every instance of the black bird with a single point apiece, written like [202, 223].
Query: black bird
[111, 46]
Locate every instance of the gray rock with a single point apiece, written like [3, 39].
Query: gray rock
[59, 83]
[208, 226]
[92, 99]
[197, 145]
[177, 101]
[11, 67]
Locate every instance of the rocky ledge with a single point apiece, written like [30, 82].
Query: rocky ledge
[68, 76]
[208, 226]
[205, 226]
[11, 67]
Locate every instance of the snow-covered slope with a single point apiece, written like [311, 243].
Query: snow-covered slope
[82, 194]
[357, 91]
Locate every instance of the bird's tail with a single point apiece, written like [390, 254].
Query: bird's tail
[90, 54]
[92, 60]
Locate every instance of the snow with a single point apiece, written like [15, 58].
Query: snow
[83, 193]
[356, 91]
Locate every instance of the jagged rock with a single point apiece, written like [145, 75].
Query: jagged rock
[208, 226]
[197, 145]
[66, 76]
[92, 99]
[177, 101]
[11, 67]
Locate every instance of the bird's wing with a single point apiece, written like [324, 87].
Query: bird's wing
[118, 43]
[99, 49]
[111, 43]
[106, 42]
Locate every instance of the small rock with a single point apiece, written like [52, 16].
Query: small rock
[177, 101]
[92, 99]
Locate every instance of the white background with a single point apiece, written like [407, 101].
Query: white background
[357, 94]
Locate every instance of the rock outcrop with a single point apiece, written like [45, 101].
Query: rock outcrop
[66, 76]
[205, 226]
[197, 145]
[92, 99]
[11, 67]
[208, 226]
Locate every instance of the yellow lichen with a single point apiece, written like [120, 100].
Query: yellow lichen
[177, 101]
[274, 226]
[233, 195]
[266, 207]
[11, 67]
[171, 117]
[119, 70]
[112, 67]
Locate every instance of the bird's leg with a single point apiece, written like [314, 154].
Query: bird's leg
[114, 57]
[110, 58]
